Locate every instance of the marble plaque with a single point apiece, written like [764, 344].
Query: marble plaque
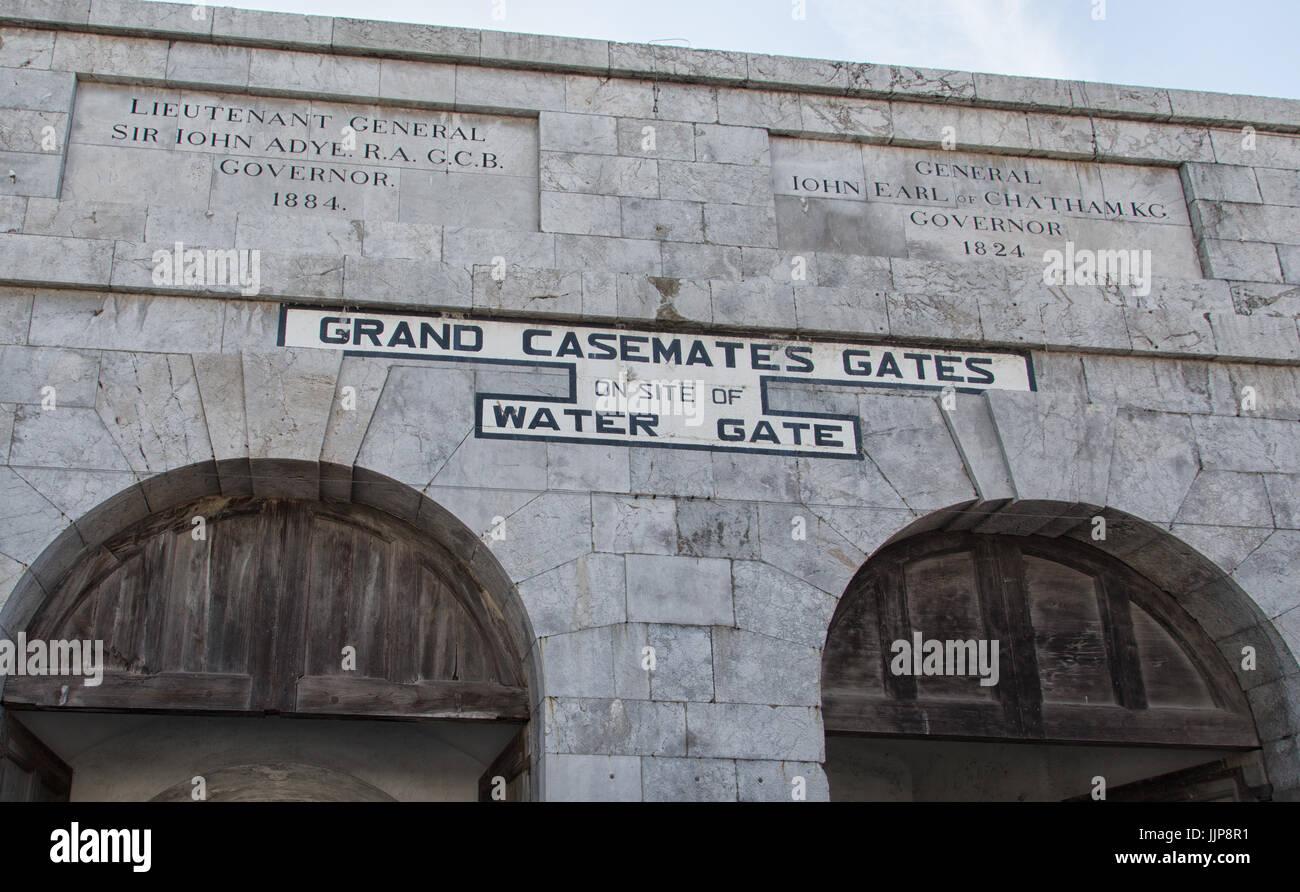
[930, 204]
[256, 154]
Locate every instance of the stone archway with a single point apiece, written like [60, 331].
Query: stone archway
[1137, 647]
[288, 607]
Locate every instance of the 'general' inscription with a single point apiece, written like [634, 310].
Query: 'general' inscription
[184, 148]
[950, 205]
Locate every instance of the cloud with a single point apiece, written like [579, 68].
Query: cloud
[998, 36]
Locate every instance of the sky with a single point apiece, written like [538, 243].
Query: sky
[1229, 46]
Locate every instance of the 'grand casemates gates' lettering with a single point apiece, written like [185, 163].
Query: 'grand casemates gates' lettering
[671, 390]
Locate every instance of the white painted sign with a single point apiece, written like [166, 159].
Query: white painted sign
[654, 388]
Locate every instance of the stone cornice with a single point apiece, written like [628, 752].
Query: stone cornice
[433, 43]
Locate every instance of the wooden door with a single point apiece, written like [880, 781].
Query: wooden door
[1089, 651]
[283, 607]
[29, 770]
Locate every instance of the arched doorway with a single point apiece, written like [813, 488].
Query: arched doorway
[226, 622]
[969, 666]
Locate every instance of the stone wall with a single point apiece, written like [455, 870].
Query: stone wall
[166, 392]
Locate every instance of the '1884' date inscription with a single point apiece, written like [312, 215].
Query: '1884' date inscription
[290, 156]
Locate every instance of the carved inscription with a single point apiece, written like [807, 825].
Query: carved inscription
[255, 154]
[952, 205]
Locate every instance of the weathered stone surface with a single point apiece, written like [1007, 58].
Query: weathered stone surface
[743, 731]
[679, 472]
[751, 668]
[841, 309]
[773, 478]
[1241, 444]
[422, 81]
[631, 660]
[763, 781]
[1284, 499]
[1155, 384]
[908, 442]
[720, 183]
[753, 303]
[551, 530]
[336, 76]
[688, 780]
[151, 405]
[26, 48]
[681, 590]
[28, 521]
[1268, 574]
[655, 59]
[859, 484]
[288, 395]
[1154, 464]
[824, 558]
[1252, 261]
[578, 664]
[400, 441]
[591, 134]
[924, 125]
[54, 260]
[479, 88]
[275, 28]
[929, 315]
[717, 529]
[613, 254]
[683, 662]
[724, 144]
[776, 604]
[1220, 182]
[77, 493]
[663, 299]
[221, 386]
[623, 524]
[1237, 337]
[118, 321]
[587, 467]
[1056, 448]
[581, 214]
[1278, 186]
[63, 438]
[544, 49]
[752, 108]
[973, 432]
[1226, 497]
[587, 592]
[579, 778]
[1150, 141]
[512, 464]
[426, 283]
[608, 727]
[173, 18]
[1275, 704]
[1225, 546]
[202, 64]
[124, 57]
[605, 175]
[28, 373]
[700, 261]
